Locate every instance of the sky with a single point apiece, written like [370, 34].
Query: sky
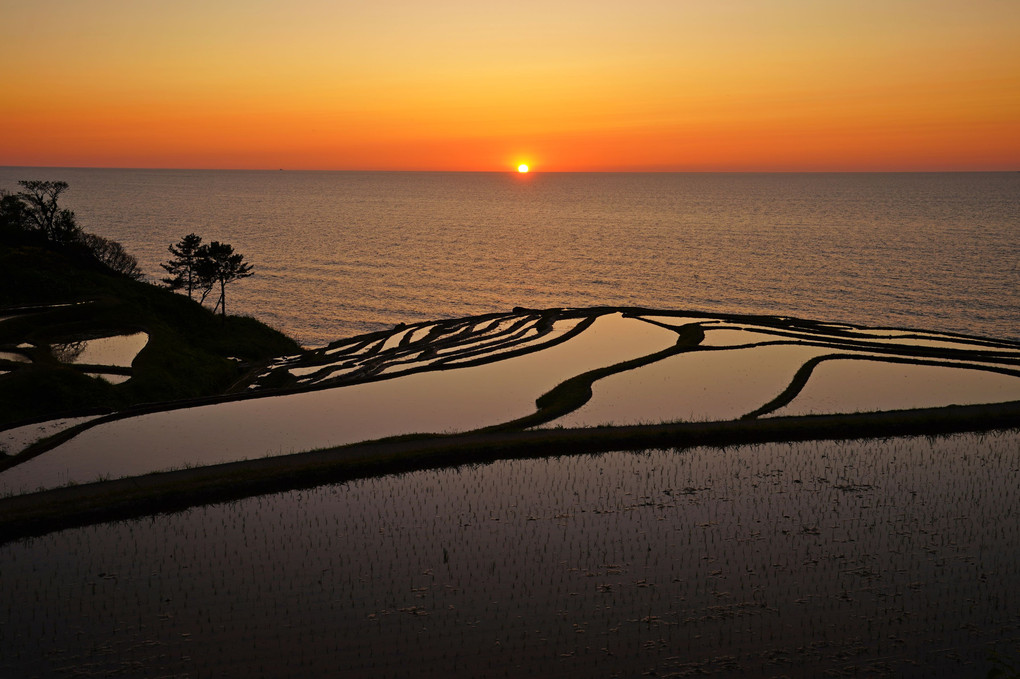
[592, 85]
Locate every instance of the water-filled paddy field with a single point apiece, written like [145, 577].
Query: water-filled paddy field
[888, 558]
[640, 367]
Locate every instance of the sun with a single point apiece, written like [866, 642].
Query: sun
[522, 168]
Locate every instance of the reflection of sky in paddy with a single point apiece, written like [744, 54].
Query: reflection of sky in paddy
[848, 386]
[532, 337]
[119, 350]
[488, 342]
[677, 321]
[441, 401]
[14, 356]
[16, 439]
[468, 344]
[394, 340]
[940, 344]
[110, 377]
[701, 385]
[728, 337]
[711, 384]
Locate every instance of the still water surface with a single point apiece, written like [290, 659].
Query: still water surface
[810, 559]
[341, 253]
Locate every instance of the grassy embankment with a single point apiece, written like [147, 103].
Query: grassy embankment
[188, 353]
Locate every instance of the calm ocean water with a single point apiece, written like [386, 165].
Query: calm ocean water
[341, 253]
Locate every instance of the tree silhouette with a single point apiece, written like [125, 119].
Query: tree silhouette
[183, 268]
[13, 216]
[40, 198]
[112, 254]
[218, 263]
[201, 267]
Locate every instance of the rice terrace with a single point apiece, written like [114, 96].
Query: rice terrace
[498, 525]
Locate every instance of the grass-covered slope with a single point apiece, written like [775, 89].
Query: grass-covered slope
[188, 354]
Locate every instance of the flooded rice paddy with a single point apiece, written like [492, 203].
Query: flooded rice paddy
[14, 439]
[465, 374]
[693, 386]
[878, 558]
[14, 356]
[106, 357]
[117, 350]
[842, 385]
[436, 402]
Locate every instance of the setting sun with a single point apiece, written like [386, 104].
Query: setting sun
[522, 168]
[642, 86]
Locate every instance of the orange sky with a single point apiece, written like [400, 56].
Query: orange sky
[444, 85]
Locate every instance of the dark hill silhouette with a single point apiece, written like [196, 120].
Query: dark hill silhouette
[189, 352]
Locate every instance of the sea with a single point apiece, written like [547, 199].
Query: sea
[337, 254]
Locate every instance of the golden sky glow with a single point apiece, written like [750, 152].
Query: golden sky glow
[445, 85]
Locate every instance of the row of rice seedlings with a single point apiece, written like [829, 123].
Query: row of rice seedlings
[807, 558]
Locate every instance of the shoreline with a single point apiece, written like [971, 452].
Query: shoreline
[38, 513]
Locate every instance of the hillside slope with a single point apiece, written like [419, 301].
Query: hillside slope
[50, 297]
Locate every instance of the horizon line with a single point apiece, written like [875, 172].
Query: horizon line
[511, 171]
